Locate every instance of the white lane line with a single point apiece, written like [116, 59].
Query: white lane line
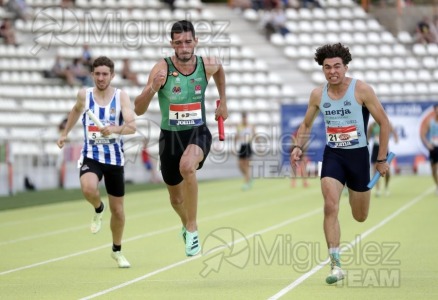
[70, 229]
[360, 237]
[182, 262]
[152, 233]
[75, 228]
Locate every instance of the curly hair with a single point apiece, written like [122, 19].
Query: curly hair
[331, 51]
[103, 61]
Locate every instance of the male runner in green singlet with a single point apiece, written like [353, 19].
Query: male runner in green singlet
[185, 140]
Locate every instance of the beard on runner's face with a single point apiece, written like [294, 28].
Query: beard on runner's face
[181, 57]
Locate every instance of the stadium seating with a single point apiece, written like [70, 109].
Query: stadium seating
[345, 21]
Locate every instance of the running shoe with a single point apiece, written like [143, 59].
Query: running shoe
[336, 274]
[122, 262]
[192, 243]
[96, 222]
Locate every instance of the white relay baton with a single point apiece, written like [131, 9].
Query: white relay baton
[96, 120]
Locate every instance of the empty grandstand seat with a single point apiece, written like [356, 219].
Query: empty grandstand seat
[305, 26]
[277, 39]
[432, 49]
[305, 38]
[419, 49]
[397, 75]
[409, 88]
[346, 38]
[424, 75]
[386, 49]
[412, 62]
[360, 38]
[383, 89]
[433, 87]
[332, 13]
[422, 88]
[359, 25]
[405, 37]
[373, 24]
[385, 63]
[429, 62]
[411, 75]
[319, 26]
[387, 37]
[305, 13]
[373, 37]
[385, 76]
[371, 76]
[372, 63]
[319, 13]
[399, 49]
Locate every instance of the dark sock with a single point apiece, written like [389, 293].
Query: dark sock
[99, 209]
[117, 248]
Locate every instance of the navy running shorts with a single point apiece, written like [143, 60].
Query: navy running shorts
[348, 166]
[172, 146]
[114, 176]
[433, 155]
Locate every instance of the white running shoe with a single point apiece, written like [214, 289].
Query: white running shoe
[336, 274]
[96, 222]
[193, 246]
[120, 259]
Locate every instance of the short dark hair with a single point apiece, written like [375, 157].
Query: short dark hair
[182, 26]
[103, 61]
[331, 51]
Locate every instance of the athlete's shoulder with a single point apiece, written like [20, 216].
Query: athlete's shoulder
[317, 92]
[122, 93]
[82, 93]
[362, 86]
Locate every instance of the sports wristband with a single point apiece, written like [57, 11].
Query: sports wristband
[381, 161]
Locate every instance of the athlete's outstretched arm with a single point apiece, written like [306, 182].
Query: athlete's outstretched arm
[303, 133]
[73, 116]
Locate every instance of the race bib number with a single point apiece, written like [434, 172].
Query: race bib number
[339, 137]
[185, 114]
[96, 138]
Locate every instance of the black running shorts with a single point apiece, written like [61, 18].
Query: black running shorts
[114, 176]
[433, 155]
[172, 146]
[245, 151]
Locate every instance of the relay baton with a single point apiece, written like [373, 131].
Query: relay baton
[94, 118]
[220, 124]
[376, 176]
[96, 121]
